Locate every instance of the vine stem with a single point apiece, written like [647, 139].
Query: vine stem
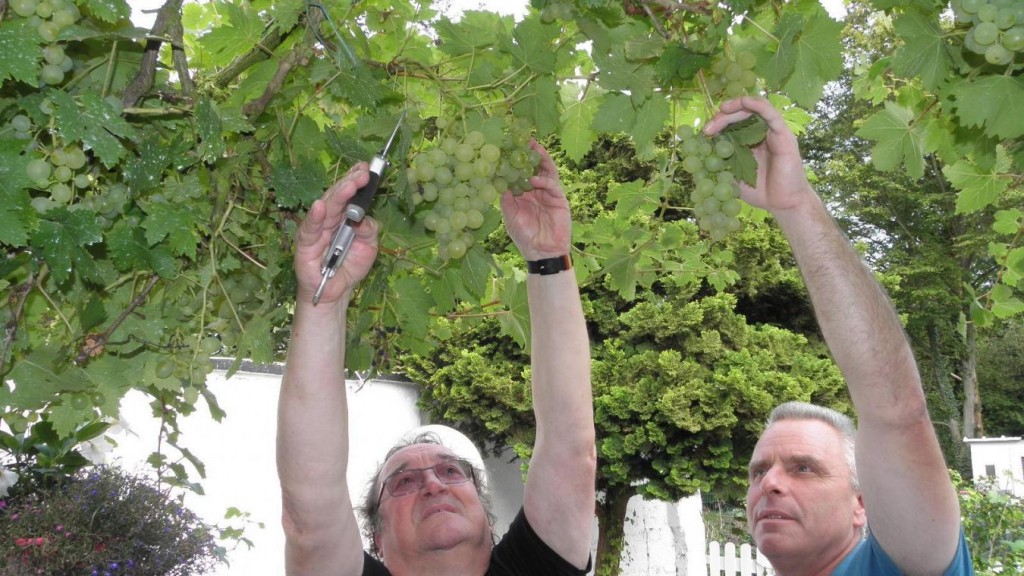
[94, 345]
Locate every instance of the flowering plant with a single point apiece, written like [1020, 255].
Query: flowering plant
[102, 522]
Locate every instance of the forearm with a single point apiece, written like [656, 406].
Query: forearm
[312, 441]
[560, 362]
[856, 317]
[559, 496]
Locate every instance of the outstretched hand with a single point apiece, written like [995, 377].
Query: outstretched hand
[538, 220]
[781, 180]
[315, 235]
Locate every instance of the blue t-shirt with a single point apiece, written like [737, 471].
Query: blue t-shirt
[868, 558]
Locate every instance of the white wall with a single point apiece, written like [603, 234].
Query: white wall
[661, 538]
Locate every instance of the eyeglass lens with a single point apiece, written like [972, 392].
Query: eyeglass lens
[411, 480]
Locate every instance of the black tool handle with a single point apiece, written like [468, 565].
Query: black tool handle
[360, 203]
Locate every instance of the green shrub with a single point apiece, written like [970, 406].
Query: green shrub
[994, 525]
[102, 522]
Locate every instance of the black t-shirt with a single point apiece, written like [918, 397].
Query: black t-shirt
[520, 552]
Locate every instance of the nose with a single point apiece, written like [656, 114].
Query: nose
[431, 482]
[773, 481]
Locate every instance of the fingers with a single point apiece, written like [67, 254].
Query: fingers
[739, 109]
[327, 212]
[337, 196]
[312, 225]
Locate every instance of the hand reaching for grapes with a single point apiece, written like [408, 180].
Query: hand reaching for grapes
[781, 180]
[317, 230]
[538, 220]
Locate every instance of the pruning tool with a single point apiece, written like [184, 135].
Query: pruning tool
[354, 213]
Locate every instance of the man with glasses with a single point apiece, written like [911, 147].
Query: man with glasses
[428, 515]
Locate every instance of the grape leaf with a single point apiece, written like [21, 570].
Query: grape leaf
[95, 123]
[1004, 303]
[14, 198]
[783, 62]
[445, 289]
[633, 197]
[1015, 261]
[63, 236]
[808, 56]
[92, 313]
[539, 103]
[257, 343]
[300, 186]
[620, 75]
[42, 374]
[577, 117]
[240, 32]
[176, 222]
[1008, 221]
[923, 53]
[650, 121]
[20, 52]
[818, 59]
[614, 114]
[111, 11]
[357, 84]
[622, 266]
[896, 139]
[207, 121]
[979, 187]
[411, 304]
[66, 418]
[144, 172]
[475, 31]
[534, 44]
[130, 251]
[995, 102]
[287, 13]
[677, 65]
[475, 269]
[516, 323]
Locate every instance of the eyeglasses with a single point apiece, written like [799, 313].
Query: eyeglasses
[410, 480]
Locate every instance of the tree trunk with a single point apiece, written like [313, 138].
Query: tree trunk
[973, 427]
[611, 519]
[950, 407]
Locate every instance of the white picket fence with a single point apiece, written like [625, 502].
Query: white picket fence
[726, 560]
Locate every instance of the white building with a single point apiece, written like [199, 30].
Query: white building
[999, 459]
[661, 538]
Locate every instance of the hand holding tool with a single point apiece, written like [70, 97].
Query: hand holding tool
[354, 213]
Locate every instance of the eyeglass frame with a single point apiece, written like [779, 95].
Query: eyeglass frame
[464, 464]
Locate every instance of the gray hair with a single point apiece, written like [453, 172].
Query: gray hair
[837, 420]
[369, 512]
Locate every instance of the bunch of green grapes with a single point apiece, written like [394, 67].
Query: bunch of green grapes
[61, 171]
[732, 75]
[459, 178]
[715, 194]
[996, 28]
[50, 17]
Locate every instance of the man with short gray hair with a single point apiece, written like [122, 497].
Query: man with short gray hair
[810, 498]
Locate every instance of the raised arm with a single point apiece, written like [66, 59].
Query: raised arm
[322, 535]
[559, 499]
[911, 506]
